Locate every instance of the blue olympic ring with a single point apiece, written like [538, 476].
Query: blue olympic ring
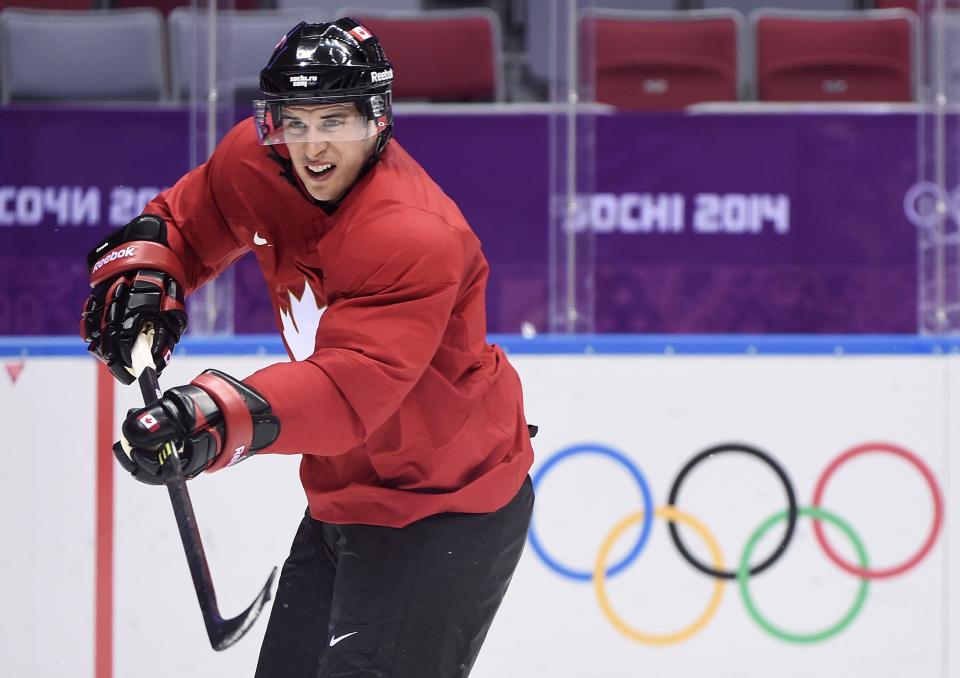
[623, 460]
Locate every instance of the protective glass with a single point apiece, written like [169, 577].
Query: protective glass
[291, 121]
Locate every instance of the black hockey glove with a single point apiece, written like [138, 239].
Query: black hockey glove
[135, 280]
[214, 422]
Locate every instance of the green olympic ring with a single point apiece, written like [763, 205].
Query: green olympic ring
[743, 578]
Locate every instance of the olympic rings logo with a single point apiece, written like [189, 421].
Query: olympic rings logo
[743, 570]
[927, 203]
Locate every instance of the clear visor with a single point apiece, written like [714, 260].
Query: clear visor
[292, 121]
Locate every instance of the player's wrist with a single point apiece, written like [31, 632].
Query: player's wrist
[249, 423]
[141, 244]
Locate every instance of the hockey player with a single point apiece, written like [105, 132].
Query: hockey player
[415, 450]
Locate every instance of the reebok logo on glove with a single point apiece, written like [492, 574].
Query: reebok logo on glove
[148, 421]
[237, 455]
[116, 254]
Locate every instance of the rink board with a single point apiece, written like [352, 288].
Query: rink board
[610, 410]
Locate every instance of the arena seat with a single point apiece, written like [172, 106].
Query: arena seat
[948, 22]
[916, 5]
[92, 55]
[836, 56]
[747, 6]
[247, 39]
[546, 32]
[661, 60]
[167, 6]
[47, 4]
[443, 55]
[358, 5]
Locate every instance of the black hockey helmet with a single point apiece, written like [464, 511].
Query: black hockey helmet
[322, 64]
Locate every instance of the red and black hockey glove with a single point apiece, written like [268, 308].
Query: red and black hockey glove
[135, 278]
[214, 422]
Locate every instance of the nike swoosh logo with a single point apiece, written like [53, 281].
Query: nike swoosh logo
[336, 639]
[257, 240]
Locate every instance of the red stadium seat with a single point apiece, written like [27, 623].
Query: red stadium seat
[661, 60]
[836, 56]
[440, 55]
[898, 4]
[916, 5]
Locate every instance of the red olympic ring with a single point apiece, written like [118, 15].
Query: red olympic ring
[913, 460]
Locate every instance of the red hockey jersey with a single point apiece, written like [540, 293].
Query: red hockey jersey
[397, 403]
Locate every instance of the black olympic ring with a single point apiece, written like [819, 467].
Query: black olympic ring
[791, 508]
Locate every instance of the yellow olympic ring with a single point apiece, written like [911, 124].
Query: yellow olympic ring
[600, 579]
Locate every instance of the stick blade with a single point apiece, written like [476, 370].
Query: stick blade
[225, 632]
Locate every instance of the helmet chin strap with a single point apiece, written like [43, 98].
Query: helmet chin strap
[382, 139]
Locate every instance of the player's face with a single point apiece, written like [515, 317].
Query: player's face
[327, 167]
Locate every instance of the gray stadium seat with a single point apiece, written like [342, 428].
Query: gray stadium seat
[540, 33]
[93, 55]
[167, 6]
[245, 42]
[47, 4]
[950, 22]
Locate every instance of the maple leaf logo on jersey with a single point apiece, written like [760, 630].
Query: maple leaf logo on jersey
[301, 323]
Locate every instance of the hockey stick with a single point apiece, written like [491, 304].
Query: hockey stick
[222, 632]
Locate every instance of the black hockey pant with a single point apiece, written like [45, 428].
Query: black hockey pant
[362, 601]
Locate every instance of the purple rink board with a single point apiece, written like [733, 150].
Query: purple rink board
[703, 224]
